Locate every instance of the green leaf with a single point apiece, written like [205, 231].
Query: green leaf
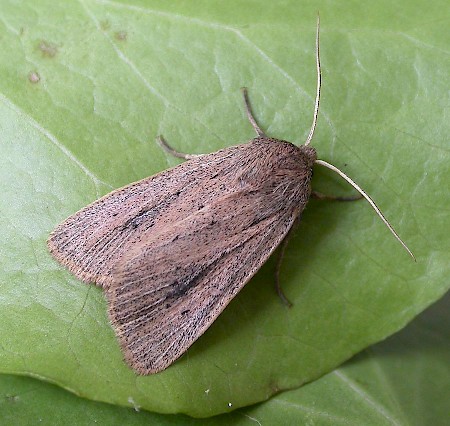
[86, 86]
[402, 381]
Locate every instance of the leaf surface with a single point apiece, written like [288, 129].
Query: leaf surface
[86, 86]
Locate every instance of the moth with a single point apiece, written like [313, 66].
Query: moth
[172, 250]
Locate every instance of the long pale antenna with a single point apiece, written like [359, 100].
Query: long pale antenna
[319, 80]
[371, 202]
[335, 169]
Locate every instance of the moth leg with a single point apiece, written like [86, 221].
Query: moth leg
[164, 145]
[283, 246]
[284, 243]
[248, 110]
[319, 196]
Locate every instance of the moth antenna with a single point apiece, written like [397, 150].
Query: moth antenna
[319, 82]
[371, 202]
[248, 110]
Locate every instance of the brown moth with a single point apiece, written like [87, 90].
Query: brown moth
[172, 250]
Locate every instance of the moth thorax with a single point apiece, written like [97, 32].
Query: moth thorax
[309, 153]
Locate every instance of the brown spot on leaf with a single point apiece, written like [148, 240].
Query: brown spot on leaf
[121, 35]
[34, 77]
[48, 49]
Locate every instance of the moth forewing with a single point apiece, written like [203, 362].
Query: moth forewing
[92, 241]
[174, 283]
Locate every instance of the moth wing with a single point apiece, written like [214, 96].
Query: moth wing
[90, 242]
[170, 289]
